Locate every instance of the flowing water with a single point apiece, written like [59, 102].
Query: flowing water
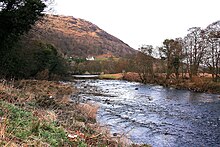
[149, 114]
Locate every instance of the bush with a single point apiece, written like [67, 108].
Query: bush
[31, 59]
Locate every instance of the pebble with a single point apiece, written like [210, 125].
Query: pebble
[150, 98]
[115, 134]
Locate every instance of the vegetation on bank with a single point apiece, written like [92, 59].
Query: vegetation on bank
[26, 119]
[201, 83]
[183, 58]
[16, 17]
[107, 65]
[33, 59]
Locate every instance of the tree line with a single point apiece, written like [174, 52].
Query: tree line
[198, 51]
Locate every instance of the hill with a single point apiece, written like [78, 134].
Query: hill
[78, 38]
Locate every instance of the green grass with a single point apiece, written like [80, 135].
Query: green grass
[24, 126]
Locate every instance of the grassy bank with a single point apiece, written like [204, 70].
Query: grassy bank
[41, 113]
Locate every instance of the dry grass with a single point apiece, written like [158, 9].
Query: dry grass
[43, 87]
[117, 76]
[3, 121]
[89, 110]
[131, 76]
[45, 115]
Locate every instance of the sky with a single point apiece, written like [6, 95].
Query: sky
[139, 22]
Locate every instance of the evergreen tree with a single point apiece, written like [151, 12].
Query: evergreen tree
[16, 18]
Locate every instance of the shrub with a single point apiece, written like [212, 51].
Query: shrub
[33, 59]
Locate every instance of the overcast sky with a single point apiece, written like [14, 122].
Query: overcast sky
[138, 22]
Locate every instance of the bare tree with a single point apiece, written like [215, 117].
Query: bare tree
[195, 49]
[144, 63]
[212, 57]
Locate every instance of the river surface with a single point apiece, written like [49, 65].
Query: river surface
[149, 114]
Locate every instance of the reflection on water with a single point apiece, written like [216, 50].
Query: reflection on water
[155, 115]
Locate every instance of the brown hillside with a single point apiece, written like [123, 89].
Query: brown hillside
[77, 37]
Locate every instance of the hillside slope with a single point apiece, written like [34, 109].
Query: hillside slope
[78, 38]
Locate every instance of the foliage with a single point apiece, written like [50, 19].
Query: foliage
[47, 58]
[16, 18]
[77, 60]
[172, 52]
[109, 65]
[31, 58]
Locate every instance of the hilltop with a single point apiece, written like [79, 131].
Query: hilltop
[78, 38]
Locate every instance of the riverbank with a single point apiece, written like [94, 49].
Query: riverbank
[202, 83]
[47, 113]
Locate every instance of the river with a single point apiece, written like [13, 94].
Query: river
[150, 114]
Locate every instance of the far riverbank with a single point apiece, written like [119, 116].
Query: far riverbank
[197, 84]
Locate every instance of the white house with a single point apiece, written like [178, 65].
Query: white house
[90, 58]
